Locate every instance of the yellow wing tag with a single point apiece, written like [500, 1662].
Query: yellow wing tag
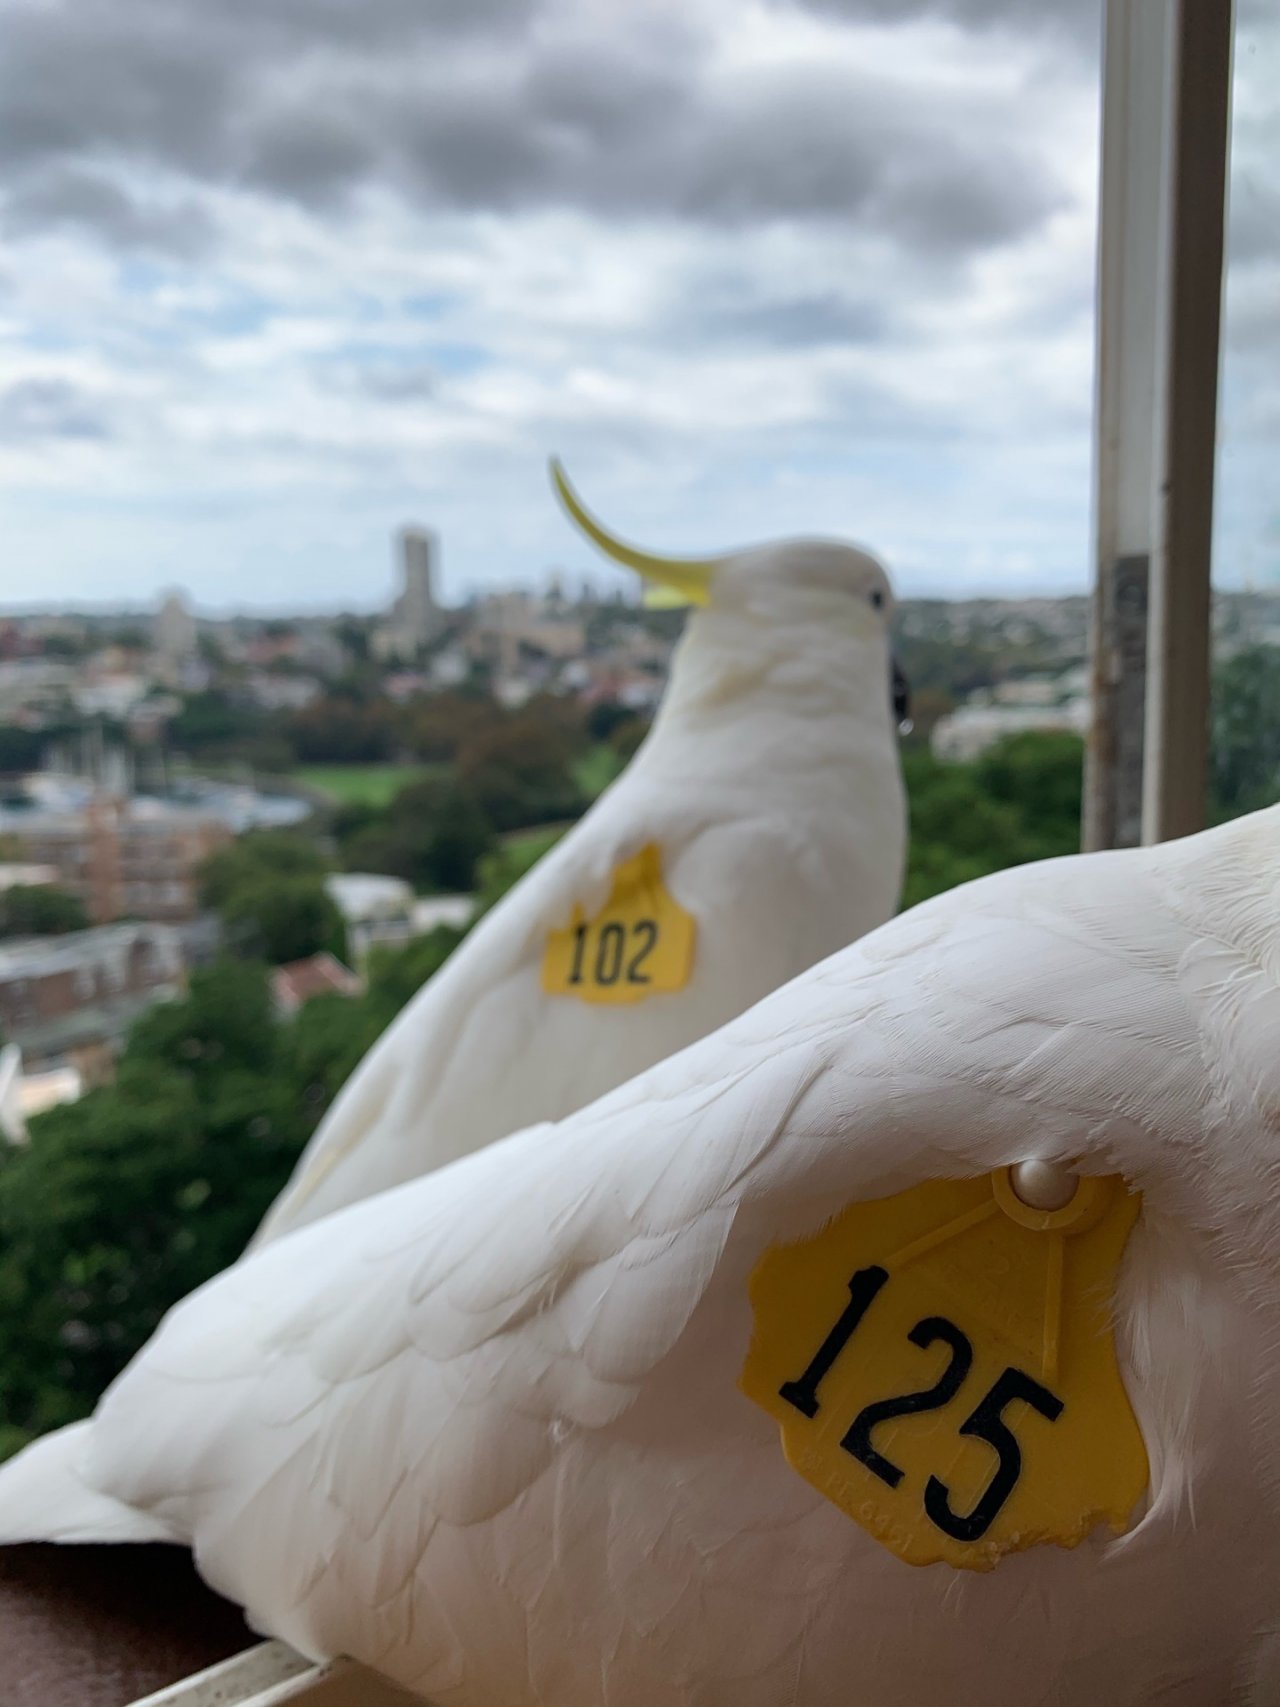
[638, 944]
[943, 1368]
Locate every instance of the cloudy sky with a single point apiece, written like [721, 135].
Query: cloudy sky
[278, 275]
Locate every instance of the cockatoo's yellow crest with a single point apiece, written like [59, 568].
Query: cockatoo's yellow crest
[676, 580]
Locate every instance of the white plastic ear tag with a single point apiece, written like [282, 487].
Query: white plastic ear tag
[639, 944]
[943, 1367]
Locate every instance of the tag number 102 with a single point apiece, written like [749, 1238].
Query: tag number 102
[985, 1422]
[614, 956]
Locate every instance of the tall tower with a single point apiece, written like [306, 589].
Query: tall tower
[418, 615]
[174, 629]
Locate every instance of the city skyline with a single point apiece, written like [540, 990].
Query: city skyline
[276, 286]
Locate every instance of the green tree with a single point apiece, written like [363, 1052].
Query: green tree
[626, 737]
[605, 717]
[331, 1035]
[1040, 773]
[438, 727]
[506, 865]
[279, 919]
[521, 772]
[345, 729]
[255, 857]
[1019, 801]
[433, 834]
[1244, 765]
[214, 725]
[326, 1042]
[129, 1199]
[396, 975]
[957, 832]
[40, 910]
[225, 1021]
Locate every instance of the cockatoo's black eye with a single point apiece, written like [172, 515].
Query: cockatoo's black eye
[877, 599]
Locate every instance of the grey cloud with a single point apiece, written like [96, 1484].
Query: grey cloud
[507, 108]
[51, 408]
[847, 147]
[86, 80]
[390, 383]
[792, 322]
[1079, 20]
[69, 197]
[791, 148]
[308, 156]
[172, 82]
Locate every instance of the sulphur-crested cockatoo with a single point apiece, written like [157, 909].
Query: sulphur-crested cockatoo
[768, 802]
[485, 1432]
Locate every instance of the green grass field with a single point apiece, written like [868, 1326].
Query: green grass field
[377, 785]
[360, 785]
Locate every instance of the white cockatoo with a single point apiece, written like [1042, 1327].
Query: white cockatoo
[768, 802]
[486, 1435]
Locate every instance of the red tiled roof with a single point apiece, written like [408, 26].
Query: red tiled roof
[318, 975]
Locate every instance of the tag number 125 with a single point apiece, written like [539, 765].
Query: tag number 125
[985, 1422]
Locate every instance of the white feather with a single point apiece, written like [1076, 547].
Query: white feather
[770, 782]
[483, 1432]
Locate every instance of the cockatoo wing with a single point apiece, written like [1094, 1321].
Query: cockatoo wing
[482, 1050]
[483, 1433]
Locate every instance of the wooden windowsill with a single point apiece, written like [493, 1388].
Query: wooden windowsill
[103, 1626]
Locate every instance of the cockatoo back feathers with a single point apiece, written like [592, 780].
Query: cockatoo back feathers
[47, 1498]
[485, 1431]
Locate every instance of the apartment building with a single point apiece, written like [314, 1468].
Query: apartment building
[125, 858]
[70, 1000]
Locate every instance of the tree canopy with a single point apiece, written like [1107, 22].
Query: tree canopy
[268, 889]
[279, 919]
[31, 909]
[130, 1198]
[433, 834]
[1245, 732]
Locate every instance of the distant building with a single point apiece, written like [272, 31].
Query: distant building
[416, 612]
[449, 668]
[68, 1001]
[384, 912]
[282, 693]
[13, 1126]
[374, 908]
[148, 720]
[110, 693]
[415, 619]
[122, 858]
[523, 640]
[34, 691]
[24, 1094]
[970, 730]
[294, 985]
[39, 1092]
[13, 875]
[173, 632]
[435, 910]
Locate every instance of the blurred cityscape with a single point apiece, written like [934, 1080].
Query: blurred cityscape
[423, 755]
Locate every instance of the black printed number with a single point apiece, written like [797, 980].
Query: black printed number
[645, 932]
[614, 957]
[803, 1394]
[986, 1422]
[944, 1389]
